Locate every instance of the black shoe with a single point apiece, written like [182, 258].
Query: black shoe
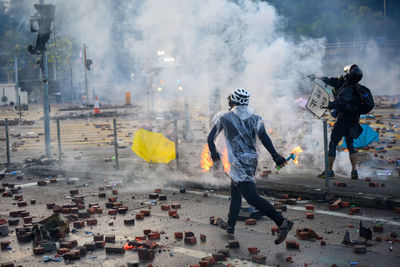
[223, 225]
[331, 174]
[354, 175]
[283, 231]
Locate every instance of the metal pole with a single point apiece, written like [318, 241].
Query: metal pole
[116, 144]
[176, 143]
[7, 144]
[85, 70]
[72, 81]
[59, 140]
[46, 112]
[17, 85]
[326, 152]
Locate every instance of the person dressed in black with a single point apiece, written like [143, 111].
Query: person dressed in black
[345, 109]
[241, 128]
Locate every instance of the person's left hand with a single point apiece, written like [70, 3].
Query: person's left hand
[279, 160]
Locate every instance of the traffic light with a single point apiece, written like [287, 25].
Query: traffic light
[89, 62]
[41, 23]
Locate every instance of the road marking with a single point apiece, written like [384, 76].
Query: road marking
[200, 254]
[331, 213]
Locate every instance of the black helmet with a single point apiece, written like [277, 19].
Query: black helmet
[353, 73]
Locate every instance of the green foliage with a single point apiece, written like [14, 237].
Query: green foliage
[344, 20]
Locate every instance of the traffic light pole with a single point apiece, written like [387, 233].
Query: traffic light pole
[86, 78]
[45, 83]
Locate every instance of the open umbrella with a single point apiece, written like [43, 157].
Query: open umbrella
[153, 147]
[367, 136]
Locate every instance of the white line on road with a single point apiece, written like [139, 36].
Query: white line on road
[200, 254]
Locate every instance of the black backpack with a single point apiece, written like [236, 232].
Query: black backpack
[367, 101]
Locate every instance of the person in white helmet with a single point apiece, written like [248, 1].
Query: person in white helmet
[241, 128]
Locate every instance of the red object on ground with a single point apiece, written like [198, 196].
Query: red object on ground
[96, 106]
[251, 221]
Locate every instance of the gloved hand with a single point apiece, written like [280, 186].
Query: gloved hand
[215, 157]
[330, 105]
[311, 77]
[334, 113]
[279, 160]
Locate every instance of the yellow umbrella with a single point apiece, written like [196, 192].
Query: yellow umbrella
[153, 147]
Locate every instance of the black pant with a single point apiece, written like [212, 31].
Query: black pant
[248, 190]
[336, 136]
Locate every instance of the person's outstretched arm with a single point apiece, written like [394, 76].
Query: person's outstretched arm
[266, 141]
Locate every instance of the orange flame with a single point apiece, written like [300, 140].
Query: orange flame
[206, 162]
[297, 150]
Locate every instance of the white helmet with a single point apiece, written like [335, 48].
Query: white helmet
[240, 96]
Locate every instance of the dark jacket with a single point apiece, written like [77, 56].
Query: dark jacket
[346, 103]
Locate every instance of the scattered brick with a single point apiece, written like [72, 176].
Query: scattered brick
[378, 239]
[292, 244]
[359, 249]
[72, 255]
[165, 207]
[13, 222]
[146, 231]
[189, 234]
[38, 251]
[7, 264]
[323, 242]
[396, 209]
[289, 258]
[153, 195]
[18, 197]
[309, 207]
[101, 188]
[393, 234]
[145, 254]
[139, 216]
[98, 237]
[109, 239]
[129, 221]
[310, 215]
[41, 183]
[354, 210]
[178, 235]
[274, 229]
[90, 246]
[28, 219]
[158, 190]
[154, 235]
[122, 210]
[203, 237]
[67, 244]
[205, 194]
[373, 184]
[345, 204]
[234, 244]
[145, 212]
[250, 221]
[219, 256]
[333, 207]
[172, 212]
[175, 205]
[91, 222]
[73, 191]
[99, 244]
[115, 192]
[190, 240]
[4, 244]
[140, 237]
[62, 251]
[102, 195]
[162, 197]
[115, 249]
[53, 180]
[259, 258]
[109, 205]
[112, 199]
[204, 263]
[112, 212]
[253, 250]
[377, 228]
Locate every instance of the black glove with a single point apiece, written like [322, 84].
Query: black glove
[278, 159]
[215, 157]
[334, 113]
[330, 105]
[324, 79]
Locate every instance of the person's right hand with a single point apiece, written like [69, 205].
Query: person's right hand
[279, 160]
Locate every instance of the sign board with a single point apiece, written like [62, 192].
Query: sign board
[318, 101]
